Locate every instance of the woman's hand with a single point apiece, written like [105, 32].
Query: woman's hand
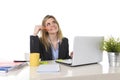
[71, 54]
[37, 29]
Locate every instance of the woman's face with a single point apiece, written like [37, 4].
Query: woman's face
[51, 26]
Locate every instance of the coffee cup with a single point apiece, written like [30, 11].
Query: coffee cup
[34, 59]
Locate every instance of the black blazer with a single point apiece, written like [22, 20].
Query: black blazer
[37, 46]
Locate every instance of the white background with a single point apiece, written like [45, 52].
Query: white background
[76, 17]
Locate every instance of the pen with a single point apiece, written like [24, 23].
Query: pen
[20, 61]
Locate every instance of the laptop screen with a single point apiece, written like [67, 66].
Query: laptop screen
[86, 50]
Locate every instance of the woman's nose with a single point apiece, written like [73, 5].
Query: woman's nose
[52, 25]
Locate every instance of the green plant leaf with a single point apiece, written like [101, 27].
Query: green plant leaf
[111, 45]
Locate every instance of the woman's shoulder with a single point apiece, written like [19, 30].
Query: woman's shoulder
[64, 39]
[40, 38]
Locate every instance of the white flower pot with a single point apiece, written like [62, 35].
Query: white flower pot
[114, 60]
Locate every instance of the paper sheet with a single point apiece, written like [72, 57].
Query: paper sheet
[49, 68]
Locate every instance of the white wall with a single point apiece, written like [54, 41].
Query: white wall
[76, 17]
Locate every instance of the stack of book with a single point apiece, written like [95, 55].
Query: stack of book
[8, 66]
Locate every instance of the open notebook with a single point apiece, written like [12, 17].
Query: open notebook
[86, 50]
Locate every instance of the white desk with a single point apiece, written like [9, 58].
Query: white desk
[89, 72]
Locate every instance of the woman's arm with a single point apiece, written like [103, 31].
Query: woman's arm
[34, 44]
[64, 49]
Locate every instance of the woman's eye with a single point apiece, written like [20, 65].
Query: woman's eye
[54, 21]
[48, 24]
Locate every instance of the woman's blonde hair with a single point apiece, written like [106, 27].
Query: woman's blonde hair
[44, 37]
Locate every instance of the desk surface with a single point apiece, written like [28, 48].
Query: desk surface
[100, 71]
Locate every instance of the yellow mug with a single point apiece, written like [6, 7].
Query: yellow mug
[34, 59]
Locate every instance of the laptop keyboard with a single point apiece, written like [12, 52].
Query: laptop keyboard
[66, 61]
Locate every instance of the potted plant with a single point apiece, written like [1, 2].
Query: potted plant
[112, 47]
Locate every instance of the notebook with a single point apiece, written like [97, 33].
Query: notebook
[86, 50]
[48, 68]
[9, 66]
